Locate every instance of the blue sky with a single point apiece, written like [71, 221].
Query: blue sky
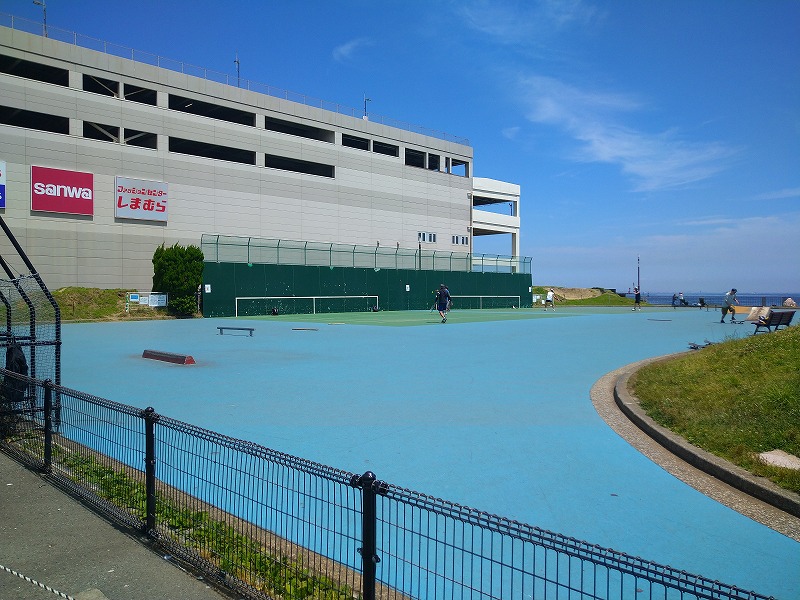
[663, 130]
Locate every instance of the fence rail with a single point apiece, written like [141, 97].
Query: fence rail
[84, 41]
[233, 249]
[270, 525]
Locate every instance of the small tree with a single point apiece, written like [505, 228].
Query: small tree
[178, 271]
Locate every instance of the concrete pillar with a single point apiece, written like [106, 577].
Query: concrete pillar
[75, 80]
[162, 99]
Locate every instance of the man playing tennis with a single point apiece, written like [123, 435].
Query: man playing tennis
[443, 302]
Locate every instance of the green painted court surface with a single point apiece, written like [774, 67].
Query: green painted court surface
[490, 410]
[431, 317]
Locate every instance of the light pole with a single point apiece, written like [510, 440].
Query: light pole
[238, 81]
[365, 106]
[44, 11]
[638, 275]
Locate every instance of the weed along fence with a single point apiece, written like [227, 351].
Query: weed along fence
[270, 525]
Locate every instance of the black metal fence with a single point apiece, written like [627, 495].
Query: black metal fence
[270, 525]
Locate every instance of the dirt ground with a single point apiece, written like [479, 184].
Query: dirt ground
[574, 293]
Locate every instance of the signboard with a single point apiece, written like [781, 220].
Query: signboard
[140, 199]
[158, 299]
[2, 184]
[59, 191]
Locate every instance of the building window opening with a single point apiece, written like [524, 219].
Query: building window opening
[142, 139]
[426, 236]
[213, 111]
[33, 120]
[97, 131]
[415, 158]
[35, 71]
[298, 129]
[139, 94]
[433, 162]
[100, 85]
[384, 148]
[459, 168]
[352, 141]
[215, 151]
[298, 166]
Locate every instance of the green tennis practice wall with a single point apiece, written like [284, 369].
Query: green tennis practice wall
[228, 281]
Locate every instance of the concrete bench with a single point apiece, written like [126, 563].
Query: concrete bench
[250, 329]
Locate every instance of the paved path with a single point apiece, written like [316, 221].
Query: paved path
[59, 543]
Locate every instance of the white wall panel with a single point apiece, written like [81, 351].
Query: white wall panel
[372, 197]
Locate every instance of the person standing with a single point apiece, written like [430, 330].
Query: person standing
[637, 299]
[443, 302]
[549, 300]
[728, 305]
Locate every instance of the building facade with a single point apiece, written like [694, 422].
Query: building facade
[105, 158]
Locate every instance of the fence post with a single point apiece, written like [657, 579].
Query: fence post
[370, 488]
[150, 417]
[48, 426]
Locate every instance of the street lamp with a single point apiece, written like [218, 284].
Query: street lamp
[638, 275]
[365, 106]
[44, 11]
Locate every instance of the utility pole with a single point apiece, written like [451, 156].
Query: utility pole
[638, 275]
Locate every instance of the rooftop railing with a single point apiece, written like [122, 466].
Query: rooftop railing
[84, 41]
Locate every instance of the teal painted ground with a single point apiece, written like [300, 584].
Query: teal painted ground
[494, 414]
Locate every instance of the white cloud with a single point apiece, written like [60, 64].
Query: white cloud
[346, 51]
[510, 132]
[654, 161]
[526, 23]
[780, 194]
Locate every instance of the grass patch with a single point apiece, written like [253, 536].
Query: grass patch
[94, 304]
[276, 573]
[606, 298]
[735, 400]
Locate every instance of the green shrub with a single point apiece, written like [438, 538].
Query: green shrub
[178, 271]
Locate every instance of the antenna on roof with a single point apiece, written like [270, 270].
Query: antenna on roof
[44, 12]
[236, 60]
[366, 116]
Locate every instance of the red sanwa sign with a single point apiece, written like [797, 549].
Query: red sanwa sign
[59, 191]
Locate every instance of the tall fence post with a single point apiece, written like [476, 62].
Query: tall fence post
[370, 488]
[150, 417]
[48, 426]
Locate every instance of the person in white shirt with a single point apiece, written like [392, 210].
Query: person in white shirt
[728, 305]
[548, 301]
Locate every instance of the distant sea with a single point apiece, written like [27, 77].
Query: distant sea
[715, 298]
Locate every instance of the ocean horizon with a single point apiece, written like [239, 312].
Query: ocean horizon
[745, 298]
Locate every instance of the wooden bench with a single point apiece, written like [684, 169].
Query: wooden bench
[250, 329]
[776, 319]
